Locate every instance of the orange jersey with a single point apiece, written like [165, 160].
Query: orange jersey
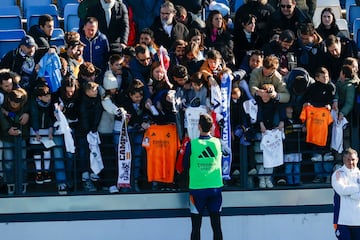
[317, 123]
[162, 144]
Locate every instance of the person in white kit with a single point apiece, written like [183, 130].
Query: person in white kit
[346, 183]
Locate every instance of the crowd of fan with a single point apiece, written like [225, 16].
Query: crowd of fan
[149, 64]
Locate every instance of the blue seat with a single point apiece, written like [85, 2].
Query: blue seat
[25, 4]
[61, 5]
[10, 18]
[354, 12]
[356, 27]
[357, 39]
[10, 22]
[343, 27]
[237, 4]
[34, 12]
[58, 38]
[71, 19]
[347, 7]
[10, 10]
[8, 3]
[10, 39]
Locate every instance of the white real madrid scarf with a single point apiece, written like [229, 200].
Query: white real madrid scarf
[124, 157]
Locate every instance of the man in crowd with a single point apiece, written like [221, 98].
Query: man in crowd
[345, 182]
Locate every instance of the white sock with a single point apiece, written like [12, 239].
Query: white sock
[37, 159]
[47, 157]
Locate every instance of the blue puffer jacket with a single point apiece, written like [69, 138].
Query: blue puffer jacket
[97, 50]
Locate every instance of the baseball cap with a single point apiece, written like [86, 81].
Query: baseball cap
[28, 41]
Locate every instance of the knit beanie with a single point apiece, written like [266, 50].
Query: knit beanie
[110, 81]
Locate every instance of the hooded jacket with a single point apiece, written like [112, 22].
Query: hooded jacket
[118, 30]
[41, 39]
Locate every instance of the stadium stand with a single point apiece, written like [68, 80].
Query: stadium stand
[11, 33]
[71, 19]
[25, 4]
[34, 12]
[356, 26]
[237, 4]
[347, 6]
[343, 26]
[10, 39]
[8, 3]
[61, 5]
[10, 18]
[57, 38]
[354, 12]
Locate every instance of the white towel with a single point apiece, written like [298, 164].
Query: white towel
[96, 163]
[63, 128]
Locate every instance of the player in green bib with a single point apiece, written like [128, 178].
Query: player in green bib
[203, 160]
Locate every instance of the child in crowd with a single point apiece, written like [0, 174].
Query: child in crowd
[240, 123]
[109, 92]
[195, 35]
[108, 98]
[160, 97]
[128, 53]
[89, 118]
[88, 72]
[269, 117]
[193, 58]
[196, 103]
[181, 84]
[320, 97]
[138, 122]
[68, 100]
[345, 96]
[198, 91]
[212, 67]
[42, 122]
[14, 134]
[115, 66]
[292, 147]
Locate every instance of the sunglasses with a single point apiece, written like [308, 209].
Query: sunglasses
[285, 6]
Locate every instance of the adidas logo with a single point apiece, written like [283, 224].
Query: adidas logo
[207, 153]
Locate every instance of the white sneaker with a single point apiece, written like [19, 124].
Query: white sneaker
[11, 189]
[94, 177]
[269, 184]
[316, 157]
[252, 171]
[328, 157]
[113, 189]
[262, 183]
[62, 189]
[85, 176]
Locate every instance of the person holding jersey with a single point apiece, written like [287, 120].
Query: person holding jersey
[203, 160]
